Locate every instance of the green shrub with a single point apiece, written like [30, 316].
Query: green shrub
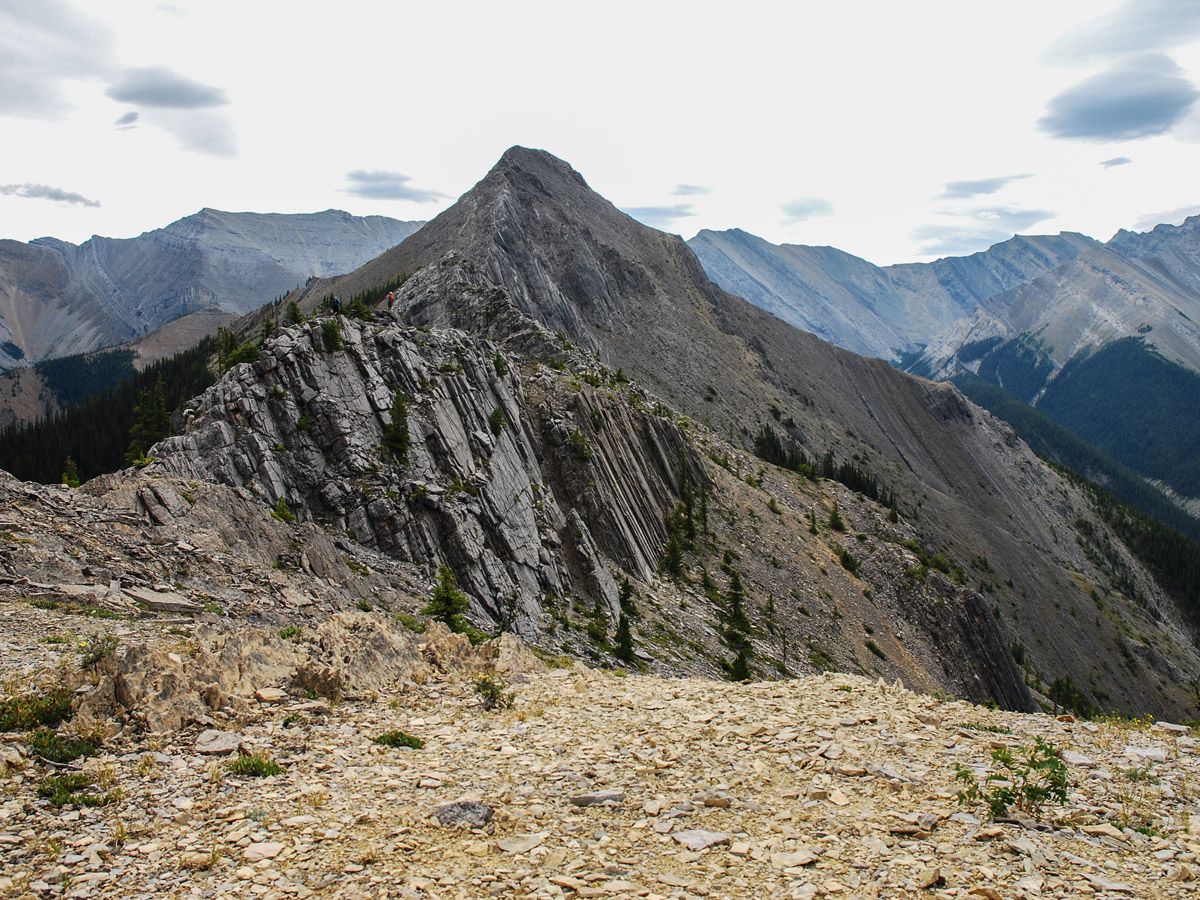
[283, 512]
[23, 712]
[99, 647]
[70, 475]
[400, 739]
[874, 648]
[72, 789]
[496, 421]
[579, 444]
[49, 744]
[291, 632]
[491, 692]
[256, 765]
[331, 335]
[411, 622]
[1027, 780]
[848, 560]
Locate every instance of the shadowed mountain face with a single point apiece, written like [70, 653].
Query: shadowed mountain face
[535, 238]
[58, 299]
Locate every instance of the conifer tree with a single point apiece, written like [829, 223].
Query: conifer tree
[447, 603]
[395, 435]
[70, 475]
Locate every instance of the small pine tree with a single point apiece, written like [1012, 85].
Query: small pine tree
[496, 421]
[835, 518]
[293, 316]
[395, 435]
[624, 648]
[151, 422]
[673, 555]
[812, 521]
[736, 598]
[739, 669]
[625, 597]
[447, 603]
[70, 475]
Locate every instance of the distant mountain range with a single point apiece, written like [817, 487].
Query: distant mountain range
[58, 299]
[1092, 334]
[873, 310]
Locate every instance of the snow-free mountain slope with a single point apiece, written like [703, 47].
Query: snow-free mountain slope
[59, 299]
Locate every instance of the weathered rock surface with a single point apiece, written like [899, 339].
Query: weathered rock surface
[836, 785]
[638, 299]
[520, 499]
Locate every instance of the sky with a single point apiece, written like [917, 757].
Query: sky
[894, 131]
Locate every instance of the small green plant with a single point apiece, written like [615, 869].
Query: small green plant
[579, 444]
[848, 560]
[52, 746]
[215, 609]
[412, 623]
[1027, 779]
[23, 712]
[496, 421]
[491, 692]
[874, 648]
[331, 335]
[283, 512]
[290, 633]
[256, 765]
[99, 647]
[356, 567]
[991, 729]
[363, 606]
[400, 739]
[72, 789]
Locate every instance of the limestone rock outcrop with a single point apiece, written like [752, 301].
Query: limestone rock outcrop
[524, 493]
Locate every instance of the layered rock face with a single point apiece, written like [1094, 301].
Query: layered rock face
[565, 257]
[521, 500]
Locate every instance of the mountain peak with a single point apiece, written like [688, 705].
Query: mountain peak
[543, 167]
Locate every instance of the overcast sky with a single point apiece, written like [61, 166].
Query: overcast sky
[896, 131]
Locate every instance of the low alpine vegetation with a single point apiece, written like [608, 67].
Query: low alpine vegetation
[73, 789]
[23, 712]
[1026, 779]
[52, 746]
[400, 739]
[492, 694]
[256, 765]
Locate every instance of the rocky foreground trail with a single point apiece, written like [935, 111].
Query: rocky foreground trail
[590, 784]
